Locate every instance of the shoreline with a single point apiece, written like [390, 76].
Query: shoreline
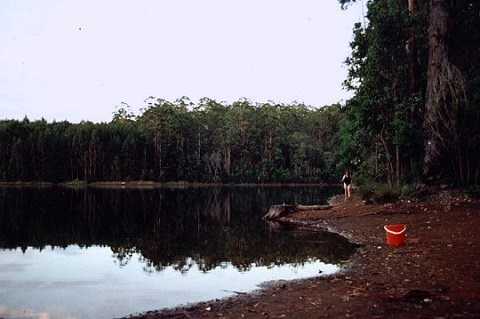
[153, 185]
[437, 277]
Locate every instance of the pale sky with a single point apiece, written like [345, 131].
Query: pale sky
[78, 59]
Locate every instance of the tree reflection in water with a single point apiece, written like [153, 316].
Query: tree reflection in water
[182, 228]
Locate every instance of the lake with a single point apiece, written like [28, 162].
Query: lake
[105, 253]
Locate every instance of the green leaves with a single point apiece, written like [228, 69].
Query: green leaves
[240, 142]
[383, 113]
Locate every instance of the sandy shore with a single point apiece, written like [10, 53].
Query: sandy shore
[437, 275]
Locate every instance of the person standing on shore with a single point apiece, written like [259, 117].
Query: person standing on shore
[347, 182]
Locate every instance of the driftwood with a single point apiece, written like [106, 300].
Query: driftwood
[277, 211]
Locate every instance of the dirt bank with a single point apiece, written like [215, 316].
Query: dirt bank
[438, 277]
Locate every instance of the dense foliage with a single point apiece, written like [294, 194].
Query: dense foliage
[178, 141]
[415, 71]
[415, 116]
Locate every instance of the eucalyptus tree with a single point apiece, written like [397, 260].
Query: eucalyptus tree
[269, 136]
[213, 144]
[464, 53]
[384, 106]
[167, 126]
[445, 87]
[185, 126]
[452, 92]
[441, 46]
[237, 140]
[155, 124]
[125, 150]
[323, 126]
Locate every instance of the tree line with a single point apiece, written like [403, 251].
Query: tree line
[242, 142]
[414, 117]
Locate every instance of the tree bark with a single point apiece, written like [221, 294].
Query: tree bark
[397, 165]
[388, 157]
[438, 56]
[411, 49]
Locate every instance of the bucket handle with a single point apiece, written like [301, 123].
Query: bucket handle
[395, 232]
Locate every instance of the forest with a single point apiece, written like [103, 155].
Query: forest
[176, 141]
[414, 70]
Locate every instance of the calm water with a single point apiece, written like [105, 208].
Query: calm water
[69, 253]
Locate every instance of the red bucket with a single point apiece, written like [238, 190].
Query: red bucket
[395, 234]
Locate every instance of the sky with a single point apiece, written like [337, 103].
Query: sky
[79, 60]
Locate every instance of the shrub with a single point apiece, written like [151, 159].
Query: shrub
[407, 189]
[473, 191]
[379, 193]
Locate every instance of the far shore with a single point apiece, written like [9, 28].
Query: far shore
[151, 184]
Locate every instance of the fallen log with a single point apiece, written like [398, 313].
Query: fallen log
[277, 211]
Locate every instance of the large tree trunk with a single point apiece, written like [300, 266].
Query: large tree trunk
[438, 55]
[411, 49]
[445, 87]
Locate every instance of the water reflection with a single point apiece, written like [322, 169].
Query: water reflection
[57, 244]
[166, 227]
